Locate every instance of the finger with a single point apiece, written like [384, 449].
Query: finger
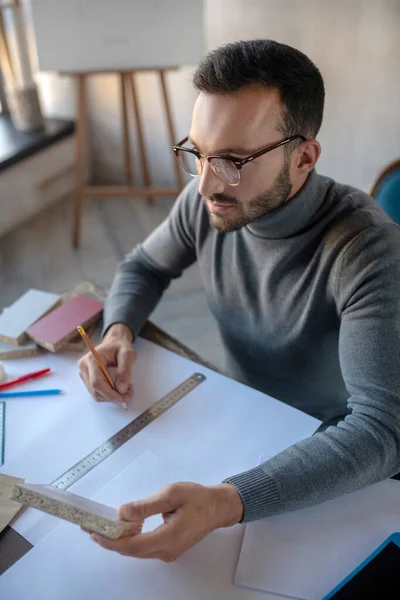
[83, 371]
[102, 395]
[100, 385]
[158, 503]
[96, 383]
[107, 355]
[129, 394]
[84, 375]
[99, 397]
[121, 398]
[125, 360]
[102, 388]
[105, 542]
[82, 363]
[153, 544]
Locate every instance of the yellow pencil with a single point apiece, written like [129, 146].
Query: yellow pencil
[98, 359]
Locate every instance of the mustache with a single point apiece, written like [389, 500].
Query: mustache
[223, 199]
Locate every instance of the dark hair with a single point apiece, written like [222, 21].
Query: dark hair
[274, 66]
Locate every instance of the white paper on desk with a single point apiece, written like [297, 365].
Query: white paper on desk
[217, 430]
[306, 553]
[68, 564]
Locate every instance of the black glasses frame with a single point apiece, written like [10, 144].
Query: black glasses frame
[238, 162]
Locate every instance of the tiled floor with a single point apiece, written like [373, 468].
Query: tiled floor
[39, 254]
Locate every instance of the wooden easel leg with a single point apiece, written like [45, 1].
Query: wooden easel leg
[139, 128]
[171, 130]
[125, 130]
[80, 139]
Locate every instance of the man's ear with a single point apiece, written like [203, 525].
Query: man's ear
[307, 155]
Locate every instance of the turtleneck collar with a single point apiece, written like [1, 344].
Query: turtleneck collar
[293, 215]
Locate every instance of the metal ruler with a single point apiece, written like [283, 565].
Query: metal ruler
[2, 431]
[126, 433]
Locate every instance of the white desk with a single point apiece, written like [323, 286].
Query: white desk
[219, 429]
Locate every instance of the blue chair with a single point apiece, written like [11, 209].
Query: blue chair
[386, 190]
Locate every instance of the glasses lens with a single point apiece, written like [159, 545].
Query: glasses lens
[226, 170]
[190, 163]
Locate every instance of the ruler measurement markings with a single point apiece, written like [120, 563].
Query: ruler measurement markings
[126, 433]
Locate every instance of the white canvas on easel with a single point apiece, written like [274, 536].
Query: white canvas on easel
[90, 35]
[87, 37]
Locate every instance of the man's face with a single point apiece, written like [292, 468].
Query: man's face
[240, 124]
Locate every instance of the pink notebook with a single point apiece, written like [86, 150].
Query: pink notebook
[59, 327]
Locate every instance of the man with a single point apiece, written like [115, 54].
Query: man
[303, 277]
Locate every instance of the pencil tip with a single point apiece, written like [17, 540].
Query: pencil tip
[125, 406]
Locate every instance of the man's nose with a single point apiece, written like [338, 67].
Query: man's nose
[209, 183]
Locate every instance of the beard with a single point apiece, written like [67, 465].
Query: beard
[246, 212]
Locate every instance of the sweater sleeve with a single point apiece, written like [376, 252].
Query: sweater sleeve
[365, 447]
[147, 271]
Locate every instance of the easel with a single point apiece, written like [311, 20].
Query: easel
[128, 89]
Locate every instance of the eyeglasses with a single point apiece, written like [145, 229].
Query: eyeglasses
[226, 167]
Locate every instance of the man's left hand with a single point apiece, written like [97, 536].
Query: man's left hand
[189, 511]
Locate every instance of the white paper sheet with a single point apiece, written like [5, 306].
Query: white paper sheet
[68, 564]
[217, 430]
[306, 553]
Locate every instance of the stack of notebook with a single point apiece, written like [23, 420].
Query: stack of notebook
[41, 319]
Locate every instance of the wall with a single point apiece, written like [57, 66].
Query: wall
[105, 118]
[58, 98]
[355, 43]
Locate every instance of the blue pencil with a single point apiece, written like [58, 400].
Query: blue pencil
[31, 393]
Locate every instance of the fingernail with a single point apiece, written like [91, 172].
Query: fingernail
[94, 537]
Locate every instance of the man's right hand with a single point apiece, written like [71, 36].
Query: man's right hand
[116, 351]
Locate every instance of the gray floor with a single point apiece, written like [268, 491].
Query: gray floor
[39, 254]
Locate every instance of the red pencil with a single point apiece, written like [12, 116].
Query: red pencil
[34, 375]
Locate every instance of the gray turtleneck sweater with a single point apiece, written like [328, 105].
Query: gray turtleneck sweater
[307, 300]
